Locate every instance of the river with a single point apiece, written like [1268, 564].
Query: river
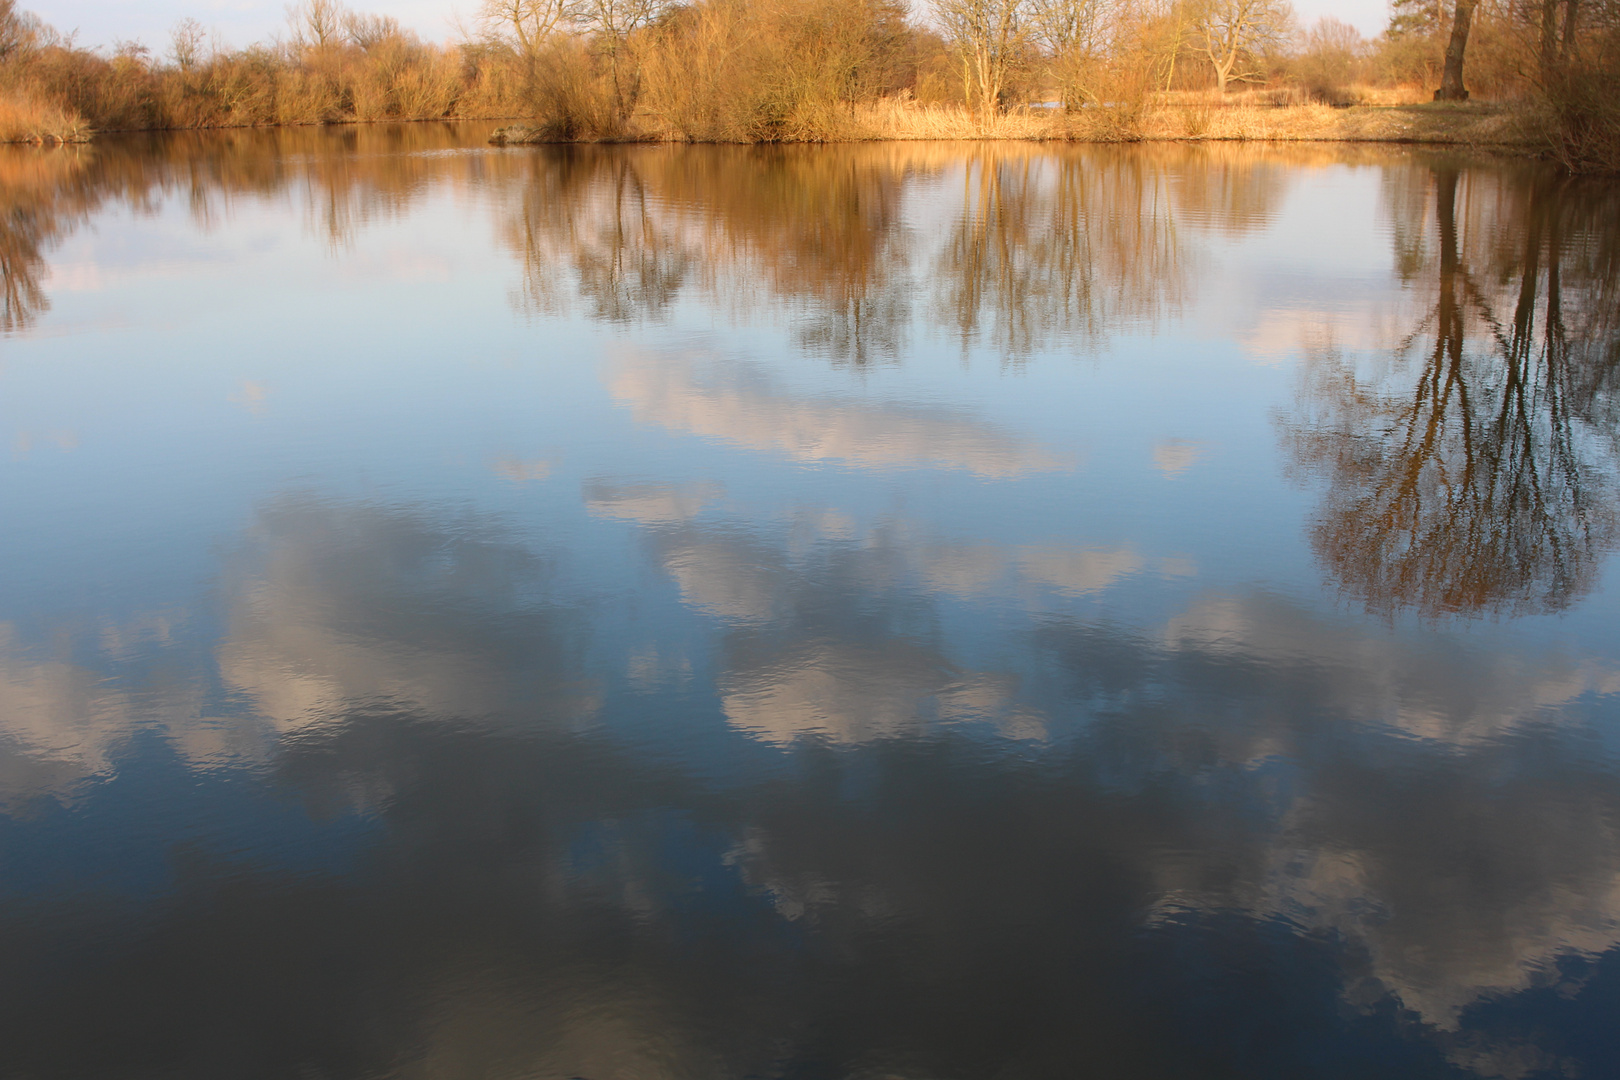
[894, 610]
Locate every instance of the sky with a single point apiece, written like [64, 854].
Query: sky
[242, 22]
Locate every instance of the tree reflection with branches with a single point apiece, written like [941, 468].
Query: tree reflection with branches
[1472, 472]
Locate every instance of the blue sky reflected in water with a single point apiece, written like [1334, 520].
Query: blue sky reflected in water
[901, 610]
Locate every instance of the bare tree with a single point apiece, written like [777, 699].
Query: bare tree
[1331, 53]
[370, 31]
[186, 43]
[18, 31]
[1230, 32]
[1159, 32]
[619, 19]
[989, 37]
[316, 23]
[526, 24]
[1074, 34]
[613, 22]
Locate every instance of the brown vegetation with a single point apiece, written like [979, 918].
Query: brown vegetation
[808, 70]
[25, 119]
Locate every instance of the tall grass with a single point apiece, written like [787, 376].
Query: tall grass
[24, 119]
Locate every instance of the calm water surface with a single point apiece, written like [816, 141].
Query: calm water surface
[901, 611]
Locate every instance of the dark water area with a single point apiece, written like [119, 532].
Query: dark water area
[883, 611]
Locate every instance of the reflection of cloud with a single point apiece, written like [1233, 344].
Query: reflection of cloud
[1076, 571]
[405, 266]
[1454, 699]
[61, 722]
[251, 397]
[1411, 827]
[649, 504]
[648, 670]
[1459, 940]
[851, 693]
[977, 569]
[61, 716]
[522, 470]
[330, 608]
[24, 442]
[1173, 457]
[726, 576]
[740, 405]
[1279, 334]
[729, 574]
[337, 607]
[77, 277]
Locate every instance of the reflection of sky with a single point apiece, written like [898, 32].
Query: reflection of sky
[674, 628]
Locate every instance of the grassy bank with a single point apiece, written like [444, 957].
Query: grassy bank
[1512, 128]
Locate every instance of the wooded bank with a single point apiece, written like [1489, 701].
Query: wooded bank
[1540, 73]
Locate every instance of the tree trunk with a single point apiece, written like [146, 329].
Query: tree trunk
[1549, 35]
[1451, 78]
[1223, 71]
[1571, 8]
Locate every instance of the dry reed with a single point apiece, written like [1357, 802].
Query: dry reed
[25, 120]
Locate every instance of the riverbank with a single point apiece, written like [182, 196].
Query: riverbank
[1501, 128]
[1508, 128]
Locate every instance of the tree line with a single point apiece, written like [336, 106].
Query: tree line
[804, 69]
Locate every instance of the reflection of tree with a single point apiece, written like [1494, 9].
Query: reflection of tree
[28, 226]
[1044, 245]
[590, 209]
[1232, 189]
[21, 297]
[344, 178]
[1058, 246]
[1469, 476]
[629, 228]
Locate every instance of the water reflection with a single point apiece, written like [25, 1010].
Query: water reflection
[332, 608]
[1391, 843]
[1474, 466]
[1046, 248]
[1043, 247]
[346, 178]
[31, 222]
[738, 403]
[855, 729]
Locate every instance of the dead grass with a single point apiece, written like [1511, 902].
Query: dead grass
[1466, 125]
[1272, 96]
[24, 120]
[1178, 118]
[1194, 118]
[896, 118]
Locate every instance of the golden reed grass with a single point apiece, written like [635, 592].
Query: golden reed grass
[26, 120]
